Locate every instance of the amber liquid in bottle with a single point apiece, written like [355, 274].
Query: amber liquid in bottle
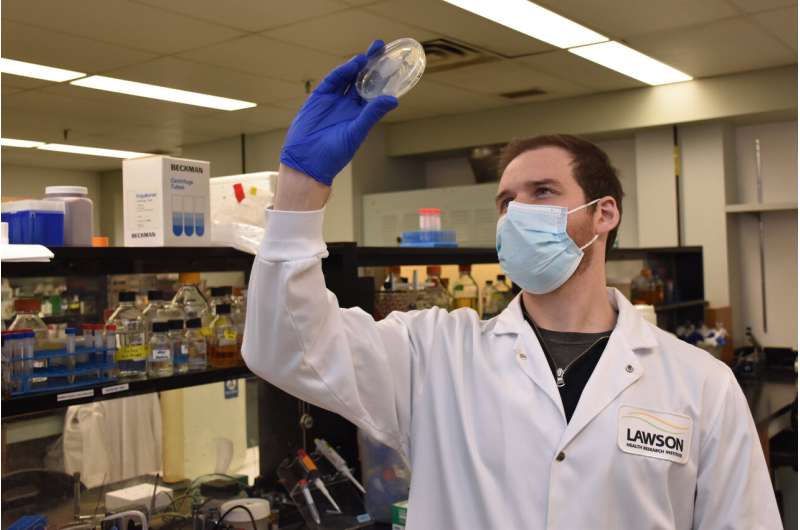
[224, 351]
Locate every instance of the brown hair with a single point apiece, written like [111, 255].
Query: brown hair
[591, 167]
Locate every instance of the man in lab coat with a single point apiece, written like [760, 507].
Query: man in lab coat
[566, 411]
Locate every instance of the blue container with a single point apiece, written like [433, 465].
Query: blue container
[429, 239]
[35, 222]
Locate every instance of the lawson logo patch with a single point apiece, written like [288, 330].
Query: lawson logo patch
[655, 434]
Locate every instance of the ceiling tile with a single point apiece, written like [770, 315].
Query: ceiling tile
[620, 18]
[362, 28]
[781, 23]
[120, 22]
[565, 65]
[754, 6]
[444, 99]
[249, 15]
[733, 45]
[507, 76]
[450, 21]
[20, 82]
[209, 79]
[76, 103]
[39, 158]
[259, 55]
[247, 121]
[55, 48]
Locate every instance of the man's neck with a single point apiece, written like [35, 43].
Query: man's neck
[581, 305]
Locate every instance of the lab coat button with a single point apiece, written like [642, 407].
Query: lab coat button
[629, 369]
[522, 356]
[561, 456]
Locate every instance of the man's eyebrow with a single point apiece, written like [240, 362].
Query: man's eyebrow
[542, 182]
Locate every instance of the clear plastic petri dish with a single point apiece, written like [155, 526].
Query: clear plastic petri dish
[394, 71]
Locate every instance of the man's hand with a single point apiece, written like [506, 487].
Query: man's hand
[333, 122]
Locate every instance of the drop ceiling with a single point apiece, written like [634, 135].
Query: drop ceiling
[266, 51]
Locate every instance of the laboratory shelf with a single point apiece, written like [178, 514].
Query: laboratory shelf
[759, 207]
[680, 305]
[45, 401]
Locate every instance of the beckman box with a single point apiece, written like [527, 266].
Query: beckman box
[166, 202]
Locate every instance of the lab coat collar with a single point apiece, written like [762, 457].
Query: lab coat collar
[637, 333]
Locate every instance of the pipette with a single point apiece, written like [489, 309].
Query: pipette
[336, 461]
[313, 474]
[312, 508]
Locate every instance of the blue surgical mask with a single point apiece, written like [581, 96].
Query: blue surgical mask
[534, 248]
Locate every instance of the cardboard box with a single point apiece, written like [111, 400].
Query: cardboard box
[166, 202]
[399, 512]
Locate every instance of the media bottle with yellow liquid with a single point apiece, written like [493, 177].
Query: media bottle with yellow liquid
[224, 340]
[465, 290]
[133, 348]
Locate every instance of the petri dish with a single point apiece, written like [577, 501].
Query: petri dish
[392, 72]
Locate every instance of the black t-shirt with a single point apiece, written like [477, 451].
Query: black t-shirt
[572, 358]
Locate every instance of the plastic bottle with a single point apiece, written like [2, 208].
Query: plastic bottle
[78, 213]
[465, 290]
[191, 300]
[194, 345]
[657, 290]
[179, 359]
[223, 352]
[160, 360]
[132, 347]
[489, 301]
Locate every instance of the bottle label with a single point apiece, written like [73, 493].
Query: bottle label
[135, 352]
[205, 331]
[184, 349]
[229, 335]
[161, 354]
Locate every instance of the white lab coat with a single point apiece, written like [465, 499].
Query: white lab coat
[474, 407]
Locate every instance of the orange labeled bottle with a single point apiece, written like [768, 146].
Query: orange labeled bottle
[224, 350]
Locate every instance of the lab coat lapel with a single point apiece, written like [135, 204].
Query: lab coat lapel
[527, 351]
[618, 367]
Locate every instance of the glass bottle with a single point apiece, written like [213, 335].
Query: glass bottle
[179, 359]
[133, 349]
[159, 363]
[191, 300]
[220, 295]
[437, 293]
[154, 309]
[489, 301]
[27, 317]
[238, 312]
[641, 288]
[194, 346]
[7, 300]
[657, 290]
[224, 340]
[504, 290]
[465, 290]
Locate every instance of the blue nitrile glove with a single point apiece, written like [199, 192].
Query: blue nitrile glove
[333, 122]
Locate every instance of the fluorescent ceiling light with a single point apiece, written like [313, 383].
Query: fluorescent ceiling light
[532, 20]
[93, 151]
[145, 90]
[38, 71]
[12, 142]
[628, 61]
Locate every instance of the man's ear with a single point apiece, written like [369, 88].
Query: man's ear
[606, 215]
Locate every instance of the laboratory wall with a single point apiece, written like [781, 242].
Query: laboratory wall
[23, 182]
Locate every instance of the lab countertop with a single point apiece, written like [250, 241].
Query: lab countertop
[770, 394]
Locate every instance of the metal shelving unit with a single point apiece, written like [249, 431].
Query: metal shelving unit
[280, 413]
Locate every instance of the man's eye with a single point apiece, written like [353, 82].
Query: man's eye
[543, 192]
[504, 204]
